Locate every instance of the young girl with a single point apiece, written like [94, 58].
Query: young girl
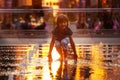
[61, 37]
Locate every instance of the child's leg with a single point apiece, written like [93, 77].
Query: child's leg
[64, 44]
[65, 54]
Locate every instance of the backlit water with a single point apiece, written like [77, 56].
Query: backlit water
[30, 62]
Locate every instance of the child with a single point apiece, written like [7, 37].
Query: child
[61, 37]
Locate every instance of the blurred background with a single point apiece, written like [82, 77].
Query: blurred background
[83, 14]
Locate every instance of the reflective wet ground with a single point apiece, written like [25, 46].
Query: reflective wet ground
[28, 63]
[56, 70]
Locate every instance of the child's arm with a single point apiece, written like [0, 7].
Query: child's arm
[73, 47]
[72, 44]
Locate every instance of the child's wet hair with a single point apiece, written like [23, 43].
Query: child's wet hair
[62, 18]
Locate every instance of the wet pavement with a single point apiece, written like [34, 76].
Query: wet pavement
[27, 62]
[56, 70]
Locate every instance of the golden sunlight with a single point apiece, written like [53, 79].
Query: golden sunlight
[32, 52]
[55, 66]
[55, 54]
[46, 72]
[30, 77]
[97, 63]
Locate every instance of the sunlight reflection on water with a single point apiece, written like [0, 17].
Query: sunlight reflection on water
[33, 65]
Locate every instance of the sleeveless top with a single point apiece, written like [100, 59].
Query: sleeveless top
[61, 34]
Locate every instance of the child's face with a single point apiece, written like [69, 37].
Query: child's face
[63, 24]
